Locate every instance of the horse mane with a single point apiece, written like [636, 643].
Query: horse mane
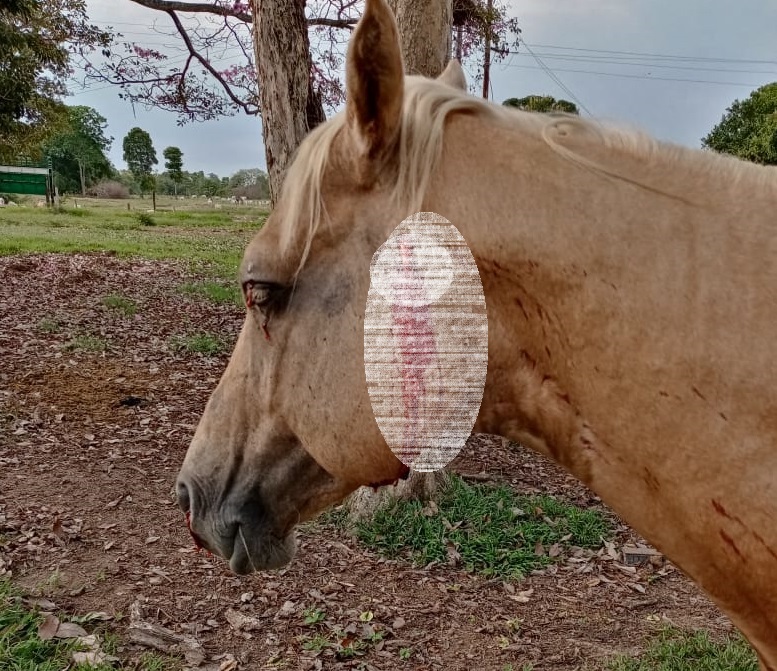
[427, 104]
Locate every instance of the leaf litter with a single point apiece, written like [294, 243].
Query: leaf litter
[88, 520]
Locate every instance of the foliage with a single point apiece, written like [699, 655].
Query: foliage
[78, 150]
[748, 129]
[199, 88]
[108, 188]
[140, 156]
[250, 183]
[37, 42]
[674, 650]
[542, 104]
[174, 163]
[492, 530]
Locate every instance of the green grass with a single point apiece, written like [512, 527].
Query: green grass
[674, 650]
[495, 531]
[86, 343]
[122, 304]
[213, 239]
[217, 292]
[48, 325]
[198, 343]
[22, 650]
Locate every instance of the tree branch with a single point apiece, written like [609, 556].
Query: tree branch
[246, 107]
[194, 8]
[221, 10]
[333, 23]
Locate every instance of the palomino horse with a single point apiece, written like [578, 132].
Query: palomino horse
[631, 289]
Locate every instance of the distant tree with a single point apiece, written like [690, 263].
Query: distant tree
[37, 42]
[78, 151]
[250, 183]
[140, 156]
[748, 129]
[542, 104]
[174, 165]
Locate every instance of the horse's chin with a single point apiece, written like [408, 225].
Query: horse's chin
[261, 553]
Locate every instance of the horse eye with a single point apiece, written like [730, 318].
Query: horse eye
[259, 294]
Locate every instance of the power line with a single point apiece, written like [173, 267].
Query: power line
[643, 64]
[654, 55]
[631, 76]
[555, 78]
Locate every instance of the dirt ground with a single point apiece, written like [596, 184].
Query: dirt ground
[90, 443]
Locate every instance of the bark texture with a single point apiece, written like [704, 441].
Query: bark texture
[290, 106]
[425, 31]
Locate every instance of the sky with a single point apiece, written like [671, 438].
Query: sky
[668, 67]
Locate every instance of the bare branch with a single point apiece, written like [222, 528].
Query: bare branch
[246, 107]
[333, 23]
[194, 8]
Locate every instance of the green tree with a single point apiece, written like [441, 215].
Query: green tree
[140, 156]
[542, 104]
[174, 165]
[38, 41]
[78, 151]
[748, 129]
[250, 183]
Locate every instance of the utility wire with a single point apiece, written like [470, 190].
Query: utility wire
[558, 81]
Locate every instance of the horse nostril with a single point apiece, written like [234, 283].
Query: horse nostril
[184, 500]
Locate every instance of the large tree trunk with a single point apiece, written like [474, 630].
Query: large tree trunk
[425, 29]
[290, 107]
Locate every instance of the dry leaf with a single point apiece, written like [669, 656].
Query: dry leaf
[70, 630]
[48, 627]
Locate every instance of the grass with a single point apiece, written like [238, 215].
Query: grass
[22, 650]
[217, 292]
[213, 239]
[198, 343]
[86, 343]
[673, 650]
[122, 304]
[495, 532]
[48, 325]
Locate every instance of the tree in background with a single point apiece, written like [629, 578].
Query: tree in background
[174, 165]
[37, 42]
[140, 156]
[250, 183]
[78, 151]
[542, 104]
[748, 129]
[290, 55]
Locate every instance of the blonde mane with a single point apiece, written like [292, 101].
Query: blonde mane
[427, 104]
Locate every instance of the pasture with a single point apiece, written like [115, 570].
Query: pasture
[115, 326]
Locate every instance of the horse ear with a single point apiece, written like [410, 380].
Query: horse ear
[453, 75]
[374, 83]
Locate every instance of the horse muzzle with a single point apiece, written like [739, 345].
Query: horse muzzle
[240, 533]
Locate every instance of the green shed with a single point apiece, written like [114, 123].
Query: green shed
[28, 179]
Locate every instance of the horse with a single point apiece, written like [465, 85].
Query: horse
[631, 294]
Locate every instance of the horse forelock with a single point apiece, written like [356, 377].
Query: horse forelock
[426, 106]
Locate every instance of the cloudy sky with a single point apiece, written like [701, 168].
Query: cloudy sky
[669, 67]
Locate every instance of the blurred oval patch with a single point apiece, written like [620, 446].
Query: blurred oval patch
[425, 341]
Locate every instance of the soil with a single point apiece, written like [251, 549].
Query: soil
[90, 444]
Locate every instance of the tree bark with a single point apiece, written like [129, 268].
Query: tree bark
[290, 107]
[425, 28]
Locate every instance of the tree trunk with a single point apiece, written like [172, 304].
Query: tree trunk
[82, 175]
[289, 105]
[425, 28]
